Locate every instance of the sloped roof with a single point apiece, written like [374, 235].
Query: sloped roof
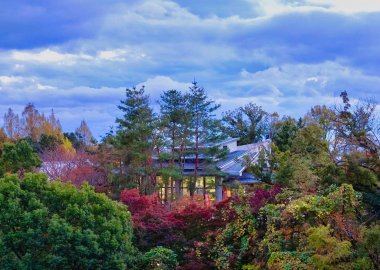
[234, 164]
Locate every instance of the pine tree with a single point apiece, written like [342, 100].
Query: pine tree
[19, 158]
[204, 127]
[134, 137]
[174, 124]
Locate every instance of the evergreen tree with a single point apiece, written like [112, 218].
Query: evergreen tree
[248, 123]
[19, 158]
[175, 126]
[284, 132]
[51, 225]
[134, 136]
[204, 128]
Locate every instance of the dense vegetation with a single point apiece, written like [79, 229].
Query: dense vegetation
[51, 225]
[317, 206]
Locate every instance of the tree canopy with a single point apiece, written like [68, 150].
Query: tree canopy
[52, 225]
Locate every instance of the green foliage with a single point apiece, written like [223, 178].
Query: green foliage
[309, 141]
[134, 137]
[359, 175]
[290, 260]
[19, 157]
[248, 123]
[263, 168]
[233, 242]
[52, 225]
[372, 243]
[312, 207]
[203, 126]
[159, 258]
[48, 142]
[328, 250]
[284, 133]
[284, 171]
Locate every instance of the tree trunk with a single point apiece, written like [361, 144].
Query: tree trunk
[204, 188]
[196, 161]
[178, 190]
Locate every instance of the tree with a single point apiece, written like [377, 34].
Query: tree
[48, 142]
[19, 158]
[154, 225]
[72, 166]
[12, 125]
[3, 139]
[284, 133]
[31, 122]
[51, 225]
[372, 243]
[323, 117]
[174, 121]
[34, 124]
[134, 136]
[84, 134]
[74, 139]
[248, 123]
[357, 125]
[159, 258]
[329, 251]
[204, 128]
[356, 137]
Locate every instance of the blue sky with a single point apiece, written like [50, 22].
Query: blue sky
[79, 56]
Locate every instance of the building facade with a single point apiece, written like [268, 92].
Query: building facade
[214, 177]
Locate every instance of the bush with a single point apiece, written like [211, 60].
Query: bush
[159, 258]
[52, 225]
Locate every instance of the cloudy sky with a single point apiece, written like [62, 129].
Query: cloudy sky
[79, 56]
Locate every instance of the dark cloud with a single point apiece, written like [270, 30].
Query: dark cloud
[29, 24]
[314, 37]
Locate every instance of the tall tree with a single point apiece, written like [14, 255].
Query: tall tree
[203, 125]
[50, 126]
[284, 133]
[84, 133]
[134, 135]
[249, 123]
[12, 125]
[356, 125]
[31, 122]
[175, 125]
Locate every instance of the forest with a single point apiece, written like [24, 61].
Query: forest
[70, 201]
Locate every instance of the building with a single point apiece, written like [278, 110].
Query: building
[215, 178]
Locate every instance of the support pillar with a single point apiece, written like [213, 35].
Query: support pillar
[218, 189]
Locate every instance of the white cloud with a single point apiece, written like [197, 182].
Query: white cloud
[348, 6]
[293, 88]
[6, 80]
[275, 7]
[48, 56]
[112, 55]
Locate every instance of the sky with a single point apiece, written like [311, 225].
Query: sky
[78, 57]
